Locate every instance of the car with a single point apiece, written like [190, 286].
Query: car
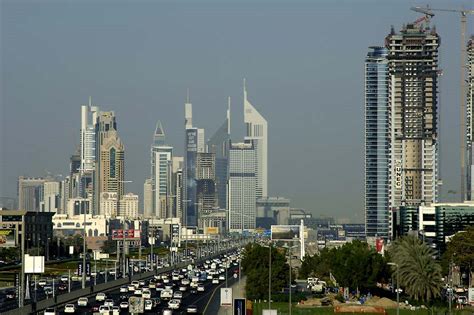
[167, 311]
[131, 288]
[115, 310]
[177, 295]
[141, 283]
[109, 302]
[152, 284]
[82, 301]
[166, 294]
[123, 297]
[100, 296]
[124, 289]
[138, 292]
[48, 290]
[215, 280]
[201, 288]
[49, 311]
[148, 305]
[174, 304]
[62, 287]
[95, 308]
[69, 308]
[136, 284]
[191, 309]
[185, 281]
[10, 295]
[221, 278]
[124, 305]
[193, 291]
[146, 294]
[183, 288]
[42, 282]
[64, 278]
[104, 309]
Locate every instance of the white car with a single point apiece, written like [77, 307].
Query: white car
[215, 280]
[174, 304]
[146, 294]
[64, 278]
[124, 289]
[42, 282]
[115, 310]
[124, 305]
[109, 302]
[185, 281]
[200, 288]
[183, 288]
[83, 301]
[221, 278]
[192, 309]
[104, 309]
[138, 292]
[100, 296]
[49, 311]
[136, 284]
[166, 294]
[148, 305]
[131, 288]
[69, 308]
[177, 295]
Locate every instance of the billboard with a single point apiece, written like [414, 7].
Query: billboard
[285, 232]
[211, 230]
[129, 234]
[226, 296]
[136, 305]
[7, 237]
[34, 264]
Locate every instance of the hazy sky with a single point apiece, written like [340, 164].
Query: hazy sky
[303, 61]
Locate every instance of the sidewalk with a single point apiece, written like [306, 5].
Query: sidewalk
[238, 291]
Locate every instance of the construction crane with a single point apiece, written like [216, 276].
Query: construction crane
[428, 12]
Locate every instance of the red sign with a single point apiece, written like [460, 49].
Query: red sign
[379, 246]
[129, 234]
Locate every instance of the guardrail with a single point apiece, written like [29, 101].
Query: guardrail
[92, 290]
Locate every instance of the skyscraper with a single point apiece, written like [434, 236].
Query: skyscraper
[161, 157]
[128, 206]
[219, 145]
[257, 132]
[148, 198]
[190, 184]
[413, 99]
[377, 143]
[242, 186]
[206, 185]
[470, 118]
[177, 184]
[30, 193]
[88, 147]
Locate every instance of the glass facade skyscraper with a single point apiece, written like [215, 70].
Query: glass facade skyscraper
[377, 143]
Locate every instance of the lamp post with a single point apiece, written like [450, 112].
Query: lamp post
[289, 254]
[84, 252]
[398, 285]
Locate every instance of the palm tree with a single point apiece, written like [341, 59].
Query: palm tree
[420, 274]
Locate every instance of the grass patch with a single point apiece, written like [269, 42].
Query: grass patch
[282, 309]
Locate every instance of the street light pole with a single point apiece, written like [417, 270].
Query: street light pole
[398, 286]
[84, 253]
[269, 275]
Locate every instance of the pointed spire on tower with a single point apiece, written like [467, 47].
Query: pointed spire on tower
[245, 90]
[159, 135]
[228, 115]
[90, 101]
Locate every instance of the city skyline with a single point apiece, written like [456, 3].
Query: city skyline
[316, 191]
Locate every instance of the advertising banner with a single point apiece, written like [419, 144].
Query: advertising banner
[226, 296]
[34, 264]
[239, 306]
[7, 237]
[285, 232]
[129, 234]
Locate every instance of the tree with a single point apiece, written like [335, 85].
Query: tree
[419, 273]
[255, 265]
[109, 246]
[460, 250]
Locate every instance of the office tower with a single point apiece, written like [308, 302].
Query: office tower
[128, 206]
[377, 143]
[148, 198]
[78, 206]
[206, 186]
[201, 141]
[88, 138]
[242, 186]
[51, 197]
[177, 186]
[219, 145]
[110, 155]
[65, 194]
[109, 204]
[470, 118]
[189, 171]
[30, 193]
[413, 90]
[257, 132]
[161, 157]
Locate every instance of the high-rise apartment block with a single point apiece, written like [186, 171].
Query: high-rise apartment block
[242, 186]
[148, 198]
[412, 58]
[128, 206]
[377, 143]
